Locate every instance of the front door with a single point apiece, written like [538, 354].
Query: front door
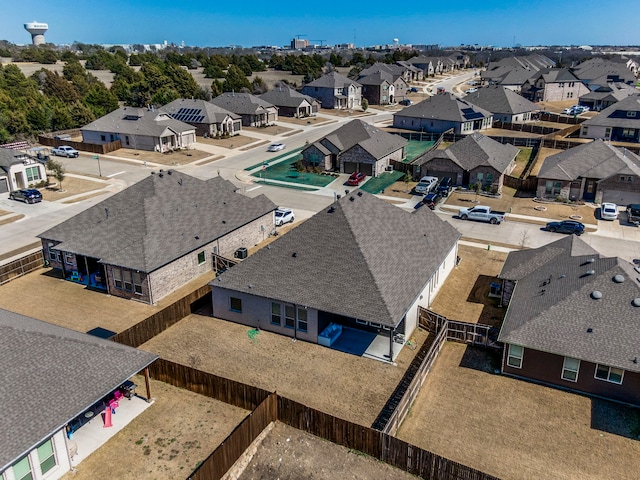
[589, 190]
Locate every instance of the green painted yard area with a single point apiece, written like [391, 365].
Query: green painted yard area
[378, 184]
[285, 171]
[416, 148]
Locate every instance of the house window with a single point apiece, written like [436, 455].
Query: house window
[514, 359]
[552, 188]
[235, 304]
[607, 132]
[126, 278]
[103, 138]
[609, 374]
[631, 114]
[561, 84]
[570, 369]
[68, 258]
[54, 254]
[126, 139]
[302, 319]
[289, 316]
[33, 174]
[201, 258]
[22, 470]
[585, 131]
[47, 456]
[137, 283]
[117, 278]
[570, 95]
[361, 322]
[276, 313]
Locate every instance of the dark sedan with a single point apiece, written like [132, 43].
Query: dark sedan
[26, 195]
[566, 226]
[432, 199]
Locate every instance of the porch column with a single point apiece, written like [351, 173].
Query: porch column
[146, 383]
[391, 344]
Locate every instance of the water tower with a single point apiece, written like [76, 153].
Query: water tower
[36, 29]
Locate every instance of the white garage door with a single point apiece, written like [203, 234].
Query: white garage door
[4, 187]
[620, 197]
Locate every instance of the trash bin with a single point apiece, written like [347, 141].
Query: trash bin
[241, 253]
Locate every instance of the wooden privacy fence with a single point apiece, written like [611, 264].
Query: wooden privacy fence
[158, 322]
[268, 407]
[555, 118]
[21, 266]
[100, 148]
[476, 334]
[527, 184]
[524, 127]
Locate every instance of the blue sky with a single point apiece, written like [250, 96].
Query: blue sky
[259, 22]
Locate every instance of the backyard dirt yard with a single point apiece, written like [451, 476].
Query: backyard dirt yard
[166, 441]
[519, 430]
[523, 206]
[70, 186]
[74, 306]
[464, 295]
[304, 372]
[181, 157]
[289, 453]
[236, 141]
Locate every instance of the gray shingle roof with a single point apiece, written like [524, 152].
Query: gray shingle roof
[9, 157]
[445, 107]
[158, 220]
[191, 109]
[50, 375]
[351, 260]
[499, 99]
[242, 103]
[473, 151]
[595, 159]
[376, 142]
[616, 115]
[332, 80]
[596, 68]
[286, 97]
[137, 121]
[377, 78]
[551, 308]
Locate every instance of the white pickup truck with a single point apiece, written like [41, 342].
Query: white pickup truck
[481, 213]
[65, 151]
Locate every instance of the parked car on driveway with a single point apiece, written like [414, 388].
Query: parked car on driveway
[609, 211]
[432, 199]
[406, 102]
[65, 151]
[633, 213]
[26, 195]
[355, 179]
[445, 186]
[426, 184]
[413, 90]
[284, 215]
[276, 147]
[566, 226]
[482, 213]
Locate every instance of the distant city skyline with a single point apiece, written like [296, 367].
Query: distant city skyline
[499, 23]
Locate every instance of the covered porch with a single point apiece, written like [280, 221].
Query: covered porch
[88, 271]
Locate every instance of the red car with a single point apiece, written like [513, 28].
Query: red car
[355, 179]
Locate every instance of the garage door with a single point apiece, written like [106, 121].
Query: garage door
[366, 168]
[620, 197]
[350, 167]
[4, 187]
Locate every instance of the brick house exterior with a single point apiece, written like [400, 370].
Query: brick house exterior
[148, 254]
[335, 91]
[18, 170]
[553, 85]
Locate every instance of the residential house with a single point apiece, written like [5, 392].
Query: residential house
[383, 88]
[399, 69]
[430, 66]
[440, 113]
[505, 105]
[595, 172]
[619, 122]
[52, 376]
[472, 160]
[553, 85]
[209, 120]
[254, 111]
[355, 269]
[140, 129]
[335, 91]
[153, 237]
[603, 96]
[411, 73]
[19, 170]
[571, 320]
[290, 102]
[356, 147]
[601, 71]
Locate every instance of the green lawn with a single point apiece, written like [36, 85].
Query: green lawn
[416, 148]
[522, 160]
[285, 171]
[378, 184]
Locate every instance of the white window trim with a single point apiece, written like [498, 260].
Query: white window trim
[68, 257]
[204, 258]
[520, 358]
[608, 379]
[564, 368]
[279, 322]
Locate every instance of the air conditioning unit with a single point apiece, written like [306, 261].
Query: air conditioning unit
[241, 253]
[389, 168]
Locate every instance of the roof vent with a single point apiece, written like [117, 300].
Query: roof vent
[359, 193]
[161, 174]
[635, 302]
[346, 192]
[351, 198]
[596, 295]
[338, 197]
[331, 209]
[197, 237]
[152, 172]
[169, 172]
[589, 330]
[591, 260]
[618, 278]
[224, 221]
[562, 276]
[161, 170]
[294, 254]
[590, 272]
